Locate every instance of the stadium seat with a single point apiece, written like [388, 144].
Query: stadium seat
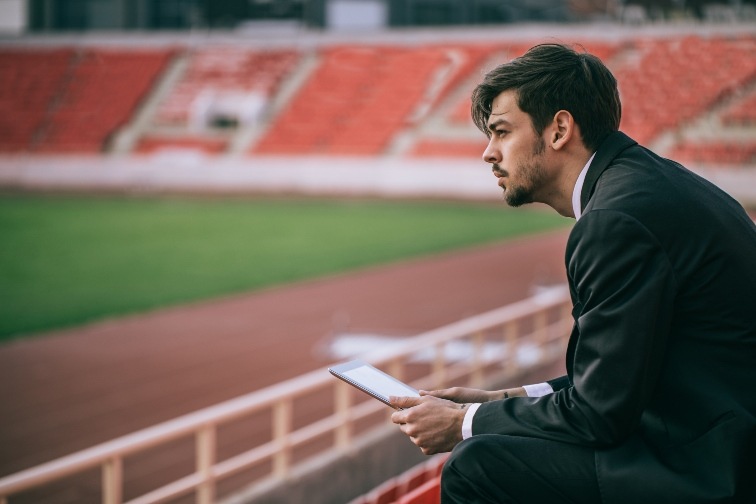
[417, 485]
[427, 493]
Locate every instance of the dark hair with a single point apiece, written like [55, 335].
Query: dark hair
[553, 77]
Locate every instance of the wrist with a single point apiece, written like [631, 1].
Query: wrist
[498, 395]
[508, 393]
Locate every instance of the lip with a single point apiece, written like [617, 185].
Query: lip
[497, 171]
[501, 178]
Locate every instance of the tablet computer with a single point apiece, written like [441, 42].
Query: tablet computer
[372, 381]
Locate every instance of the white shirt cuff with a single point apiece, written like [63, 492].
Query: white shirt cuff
[538, 389]
[467, 422]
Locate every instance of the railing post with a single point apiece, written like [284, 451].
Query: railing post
[282, 422]
[343, 431]
[206, 444]
[566, 316]
[112, 481]
[539, 327]
[511, 339]
[396, 369]
[439, 366]
[476, 378]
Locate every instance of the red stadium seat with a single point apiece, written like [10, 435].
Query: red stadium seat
[427, 493]
[418, 485]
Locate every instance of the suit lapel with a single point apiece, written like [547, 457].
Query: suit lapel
[612, 145]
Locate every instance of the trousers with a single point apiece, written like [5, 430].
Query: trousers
[492, 468]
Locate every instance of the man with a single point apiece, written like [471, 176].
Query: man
[658, 404]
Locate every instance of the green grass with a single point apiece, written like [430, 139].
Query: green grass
[67, 260]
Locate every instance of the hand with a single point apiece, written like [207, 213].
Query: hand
[470, 395]
[433, 424]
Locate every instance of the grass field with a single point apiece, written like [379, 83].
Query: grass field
[69, 260]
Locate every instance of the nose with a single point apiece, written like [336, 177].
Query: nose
[491, 154]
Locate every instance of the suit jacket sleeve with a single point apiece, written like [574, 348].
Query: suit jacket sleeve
[623, 289]
[559, 383]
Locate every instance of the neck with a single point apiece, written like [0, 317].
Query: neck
[560, 196]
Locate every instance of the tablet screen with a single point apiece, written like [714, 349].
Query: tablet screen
[379, 382]
[372, 380]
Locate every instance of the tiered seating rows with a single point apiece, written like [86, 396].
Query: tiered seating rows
[105, 89]
[29, 82]
[71, 101]
[225, 69]
[678, 79]
[358, 99]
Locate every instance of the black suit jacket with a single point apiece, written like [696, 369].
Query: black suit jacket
[662, 358]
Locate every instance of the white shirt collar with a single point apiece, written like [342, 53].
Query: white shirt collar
[579, 188]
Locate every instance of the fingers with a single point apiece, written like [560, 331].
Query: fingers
[442, 393]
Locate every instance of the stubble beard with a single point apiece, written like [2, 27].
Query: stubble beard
[533, 175]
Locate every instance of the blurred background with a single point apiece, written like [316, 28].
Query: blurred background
[200, 200]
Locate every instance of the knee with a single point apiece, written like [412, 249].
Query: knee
[465, 459]
[463, 474]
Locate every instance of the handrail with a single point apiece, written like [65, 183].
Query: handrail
[279, 399]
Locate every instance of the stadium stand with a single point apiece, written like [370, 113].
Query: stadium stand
[224, 70]
[689, 75]
[31, 80]
[391, 85]
[75, 100]
[76, 104]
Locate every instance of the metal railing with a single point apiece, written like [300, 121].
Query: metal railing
[499, 344]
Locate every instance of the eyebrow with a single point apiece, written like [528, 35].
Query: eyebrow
[493, 124]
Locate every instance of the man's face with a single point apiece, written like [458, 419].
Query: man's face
[515, 151]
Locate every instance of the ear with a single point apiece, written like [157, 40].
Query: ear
[562, 129]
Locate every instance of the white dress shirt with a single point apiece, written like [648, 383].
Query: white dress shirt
[538, 389]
